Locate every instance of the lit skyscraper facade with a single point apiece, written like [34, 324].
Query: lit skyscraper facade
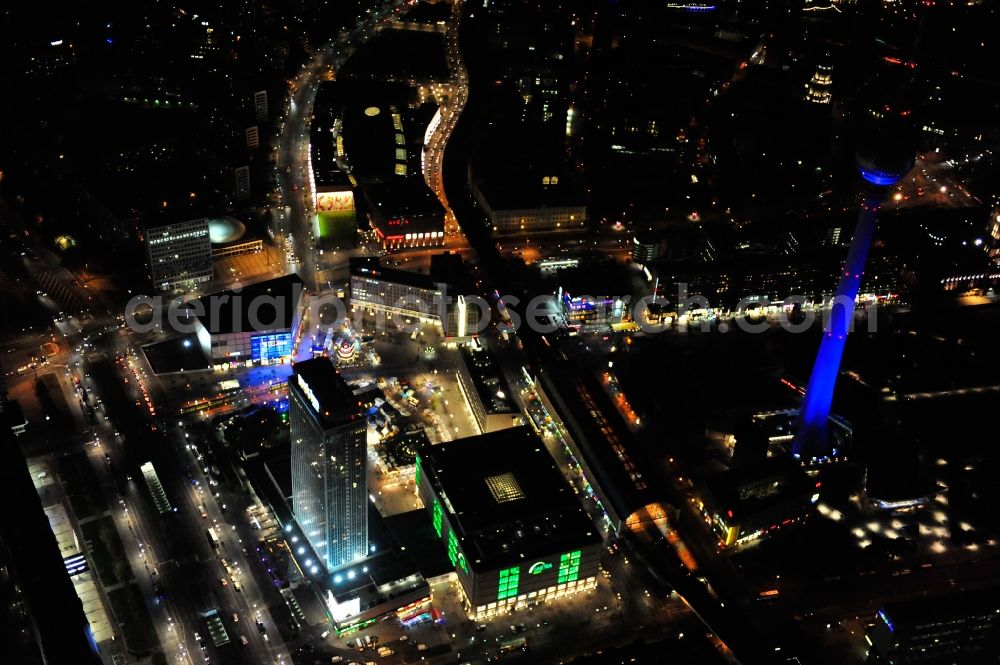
[329, 448]
[180, 254]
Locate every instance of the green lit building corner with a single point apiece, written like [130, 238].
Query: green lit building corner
[512, 526]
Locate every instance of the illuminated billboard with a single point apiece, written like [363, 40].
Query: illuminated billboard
[334, 201]
[334, 223]
[340, 611]
[510, 583]
[271, 347]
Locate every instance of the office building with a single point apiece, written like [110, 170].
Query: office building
[440, 299]
[57, 627]
[391, 583]
[484, 387]
[328, 451]
[404, 213]
[242, 175]
[646, 249]
[335, 223]
[513, 527]
[180, 255]
[260, 105]
[256, 325]
[750, 502]
[595, 295]
[959, 628]
[381, 144]
[515, 207]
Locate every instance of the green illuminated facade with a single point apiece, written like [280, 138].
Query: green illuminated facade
[336, 229]
[511, 526]
[569, 567]
[455, 553]
[438, 517]
[509, 581]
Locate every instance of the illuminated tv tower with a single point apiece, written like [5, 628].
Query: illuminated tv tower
[883, 159]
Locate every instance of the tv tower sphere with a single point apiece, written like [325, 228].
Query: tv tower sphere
[885, 154]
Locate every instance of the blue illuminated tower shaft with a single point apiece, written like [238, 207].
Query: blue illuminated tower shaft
[812, 439]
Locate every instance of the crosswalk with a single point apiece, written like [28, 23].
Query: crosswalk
[53, 285]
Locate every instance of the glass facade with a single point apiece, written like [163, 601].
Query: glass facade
[329, 488]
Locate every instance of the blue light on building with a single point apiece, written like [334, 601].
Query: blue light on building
[883, 617]
[880, 178]
[270, 347]
[812, 440]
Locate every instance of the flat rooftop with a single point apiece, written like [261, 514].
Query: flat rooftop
[328, 109]
[181, 354]
[451, 269]
[754, 487]
[273, 303]
[366, 266]
[493, 390]
[514, 192]
[406, 197]
[400, 55]
[371, 139]
[603, 278]
[446, 268]
[506, 498]
[414, 533]
[335, 400]
[935, 609]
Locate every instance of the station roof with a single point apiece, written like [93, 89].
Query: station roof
[619, 465]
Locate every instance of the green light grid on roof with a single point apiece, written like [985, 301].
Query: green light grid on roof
[569, 567]
[438, 517]
[416, 471]
[510, 578]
